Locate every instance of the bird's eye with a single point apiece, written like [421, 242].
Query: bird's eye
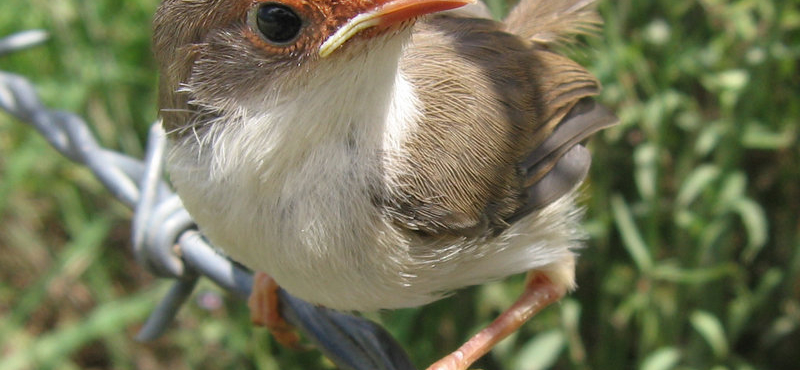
[278, 23]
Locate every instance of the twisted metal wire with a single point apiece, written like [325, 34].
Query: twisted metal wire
[165, 240]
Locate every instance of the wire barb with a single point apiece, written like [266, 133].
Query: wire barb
[165, 239]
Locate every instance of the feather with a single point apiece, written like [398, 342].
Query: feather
[548, 21]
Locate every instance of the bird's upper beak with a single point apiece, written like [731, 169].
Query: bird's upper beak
[384, 14]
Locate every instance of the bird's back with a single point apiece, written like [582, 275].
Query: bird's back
[491, 94]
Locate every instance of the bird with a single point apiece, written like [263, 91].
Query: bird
[381, 154]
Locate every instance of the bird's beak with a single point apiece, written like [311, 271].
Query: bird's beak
[385, 14]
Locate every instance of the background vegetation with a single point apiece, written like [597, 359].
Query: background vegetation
[693, 205]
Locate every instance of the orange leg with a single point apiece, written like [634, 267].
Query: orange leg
[539, 293]
[265, 311]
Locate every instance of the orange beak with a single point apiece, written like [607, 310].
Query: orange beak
[386, 14]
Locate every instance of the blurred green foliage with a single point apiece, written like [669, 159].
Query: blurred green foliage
[693, 207]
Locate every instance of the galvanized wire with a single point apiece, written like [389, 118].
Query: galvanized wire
[165, 240]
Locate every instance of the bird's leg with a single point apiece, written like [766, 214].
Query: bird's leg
[539, 292]
[265, 311]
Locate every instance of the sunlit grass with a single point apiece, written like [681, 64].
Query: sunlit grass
[693, 207]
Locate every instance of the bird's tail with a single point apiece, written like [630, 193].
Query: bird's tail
[550, 21]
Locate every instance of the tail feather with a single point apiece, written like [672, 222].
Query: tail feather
[549, 21]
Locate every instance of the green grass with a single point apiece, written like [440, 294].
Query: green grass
[693, 207]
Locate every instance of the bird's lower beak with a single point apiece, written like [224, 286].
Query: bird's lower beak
[387, 13]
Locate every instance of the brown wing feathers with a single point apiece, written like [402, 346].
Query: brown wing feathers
[503, 118]
[559, 163]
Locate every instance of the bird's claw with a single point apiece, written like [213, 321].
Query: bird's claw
[265, 311]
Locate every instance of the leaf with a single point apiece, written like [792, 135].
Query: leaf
[733, 188]
[710, 137]
[755, 222]
[756, 136]
[712, 331]
[730, 80]
[646, 175]
[631, 237]
[541, 352]
[672, 273]
[696, 182]
[664, 358]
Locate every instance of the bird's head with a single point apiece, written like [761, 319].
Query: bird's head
[212, 52]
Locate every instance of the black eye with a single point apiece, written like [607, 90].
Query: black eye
[278, 23]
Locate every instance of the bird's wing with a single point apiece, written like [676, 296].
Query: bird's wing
[560, 163]
[501, 118]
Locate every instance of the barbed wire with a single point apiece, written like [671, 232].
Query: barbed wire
[165, 239]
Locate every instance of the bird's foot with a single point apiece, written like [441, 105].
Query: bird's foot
[539, 292]
[265, 311]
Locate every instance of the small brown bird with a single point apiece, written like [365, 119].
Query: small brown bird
[369, 154]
